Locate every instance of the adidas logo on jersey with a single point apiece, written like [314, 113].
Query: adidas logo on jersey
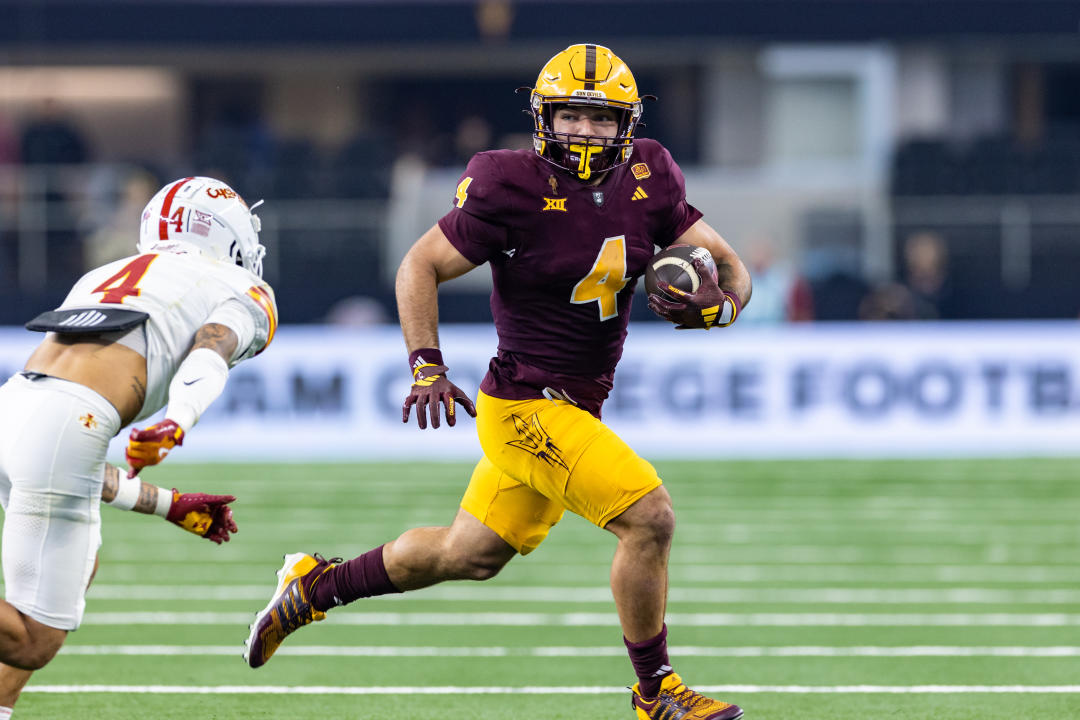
[639, 194]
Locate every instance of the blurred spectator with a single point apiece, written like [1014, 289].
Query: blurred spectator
[832, 261]
[116, 237]
[780, 294]
[838, 294]
[494, 19]
[51, 142]
[891, 301]
[49, 138]
[926, 273]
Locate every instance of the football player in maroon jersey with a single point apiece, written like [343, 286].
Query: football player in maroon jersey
[567, 229]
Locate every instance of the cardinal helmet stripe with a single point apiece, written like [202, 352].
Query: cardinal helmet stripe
[166, 207]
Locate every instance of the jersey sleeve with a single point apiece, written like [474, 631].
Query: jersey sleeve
[252, 316]
[682, 214]
[473, 226]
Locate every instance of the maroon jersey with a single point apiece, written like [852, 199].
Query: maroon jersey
[565, 257]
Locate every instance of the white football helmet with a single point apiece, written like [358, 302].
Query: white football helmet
[203, 216]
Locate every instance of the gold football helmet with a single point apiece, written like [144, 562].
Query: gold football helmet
[588, 75]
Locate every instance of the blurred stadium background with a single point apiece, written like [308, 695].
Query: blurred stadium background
[901, 176]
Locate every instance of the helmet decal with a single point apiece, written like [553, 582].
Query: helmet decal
[202, 216]
[166, 207]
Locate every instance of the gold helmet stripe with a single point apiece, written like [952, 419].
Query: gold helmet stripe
[590, 67]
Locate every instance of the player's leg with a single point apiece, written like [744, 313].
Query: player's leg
[26, 643]
[639, 580]
[639, 571]
[53, 439]
[467, 550]
[13, 679]
[498, 518]
[573, 458]
[12, 682]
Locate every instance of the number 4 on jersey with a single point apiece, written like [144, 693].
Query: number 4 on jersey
[126, 281]
[606, 279]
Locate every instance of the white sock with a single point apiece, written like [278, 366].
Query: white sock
[5, 712]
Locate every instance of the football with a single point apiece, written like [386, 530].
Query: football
[674, 265]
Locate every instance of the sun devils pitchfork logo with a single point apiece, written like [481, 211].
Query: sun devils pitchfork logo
[535, 440]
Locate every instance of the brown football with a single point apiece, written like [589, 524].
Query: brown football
[674, 265]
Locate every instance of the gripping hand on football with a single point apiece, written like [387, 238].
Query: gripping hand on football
[150, 446]
[430, 391]
[705, 308]
[207, 516]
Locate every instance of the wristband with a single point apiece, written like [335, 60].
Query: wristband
[723, 319]
[424, 357]
[127, 492]
[164, 502]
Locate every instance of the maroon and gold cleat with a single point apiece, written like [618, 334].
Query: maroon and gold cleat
[678, 702]
[289, 609]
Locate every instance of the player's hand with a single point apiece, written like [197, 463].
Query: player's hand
[150, 446]
[430, 392]
[207, 516]
[702, 309]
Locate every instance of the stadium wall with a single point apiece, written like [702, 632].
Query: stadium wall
[833, 390]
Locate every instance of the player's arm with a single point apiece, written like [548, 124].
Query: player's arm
[714, 304]
[207, 516]
[198, 381]
[431, 260]
[732, 275]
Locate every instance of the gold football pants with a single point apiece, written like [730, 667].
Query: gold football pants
[542, 457]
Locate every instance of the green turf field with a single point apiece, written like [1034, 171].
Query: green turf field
[845, 590]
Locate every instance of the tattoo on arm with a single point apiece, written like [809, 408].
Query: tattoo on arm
[139, 389]
[148, 494]
[218, 338]
[112, 482]
[147, 502]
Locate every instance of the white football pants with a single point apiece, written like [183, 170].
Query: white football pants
[53, 438]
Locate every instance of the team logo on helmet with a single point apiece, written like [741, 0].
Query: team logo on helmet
[203, 216]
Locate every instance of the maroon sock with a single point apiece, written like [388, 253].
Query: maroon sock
[650, 662]
[361, 577]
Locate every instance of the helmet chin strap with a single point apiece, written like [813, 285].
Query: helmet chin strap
[585, 153]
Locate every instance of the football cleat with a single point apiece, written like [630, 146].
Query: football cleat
[678, 702]
[290, 607]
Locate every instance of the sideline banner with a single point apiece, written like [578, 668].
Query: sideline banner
[826, 390]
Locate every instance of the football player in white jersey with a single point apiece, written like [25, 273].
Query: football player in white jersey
[159, 329]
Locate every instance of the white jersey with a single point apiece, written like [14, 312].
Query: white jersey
[181, 293]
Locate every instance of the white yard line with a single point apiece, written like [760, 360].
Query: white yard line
[611, 619]
[602, 594]
[556, 570]
[582, 652]
[538, 690]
